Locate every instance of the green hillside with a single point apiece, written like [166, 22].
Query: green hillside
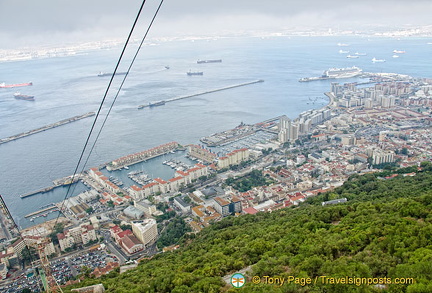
[383, 231]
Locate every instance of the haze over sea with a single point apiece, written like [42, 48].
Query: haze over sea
[68, 86]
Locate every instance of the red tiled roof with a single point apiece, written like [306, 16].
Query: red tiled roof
[250, 210]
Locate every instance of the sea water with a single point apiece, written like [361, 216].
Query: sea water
[67, 86]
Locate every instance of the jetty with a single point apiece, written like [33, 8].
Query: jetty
[57, 183]
[161, 103]
[46, 127]
[40, 212]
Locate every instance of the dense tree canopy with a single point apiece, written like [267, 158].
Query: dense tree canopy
[383, 231]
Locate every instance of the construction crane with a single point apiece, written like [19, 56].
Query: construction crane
[48, 281]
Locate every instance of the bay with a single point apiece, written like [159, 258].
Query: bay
[68, 86]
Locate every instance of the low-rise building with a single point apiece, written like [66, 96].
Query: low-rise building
[181, 204]
[133, 212]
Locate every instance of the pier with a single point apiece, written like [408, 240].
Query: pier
[241, 131]
[57, 183]
[161, 103]
[46, 127]
[43, 190]
[40, 212]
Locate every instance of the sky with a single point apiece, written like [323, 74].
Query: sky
[29, 22]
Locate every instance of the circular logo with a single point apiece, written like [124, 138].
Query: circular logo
[238, 280]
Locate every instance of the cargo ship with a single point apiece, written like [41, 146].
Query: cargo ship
[155, 104]
[333, 73]
[152, 104]
[194, 73]
[19, 96]
[101, 74]
[3, 85]
[209, 61]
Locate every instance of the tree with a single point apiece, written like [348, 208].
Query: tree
[89, 210]
[126, 227]
[29, 254]
[58, 228]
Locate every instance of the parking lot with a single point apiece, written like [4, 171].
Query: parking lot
[62, 269]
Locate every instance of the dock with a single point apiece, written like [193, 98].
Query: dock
[161, 103]
[43, 190]
[57, 183]
[46, 127]
[40, 212]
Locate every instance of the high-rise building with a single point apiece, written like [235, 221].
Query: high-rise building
[145, 230]
[287, 130]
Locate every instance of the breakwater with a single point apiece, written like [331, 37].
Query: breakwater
[46, 127]
[161, 103]
[40, 211]
[57, 183]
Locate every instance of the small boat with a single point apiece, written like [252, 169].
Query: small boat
[352, 56]
[399, 52]
[374, 60]
[395, 56]
[360, 54]
[343, 52]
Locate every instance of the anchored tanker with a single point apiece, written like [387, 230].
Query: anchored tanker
[19, 96]
[3, 85]
[209, 61]
[194, 73]
[102, 74]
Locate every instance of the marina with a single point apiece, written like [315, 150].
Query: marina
[132, 159]
[139, 177]
[241, 131]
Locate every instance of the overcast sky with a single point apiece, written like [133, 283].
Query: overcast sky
[29, 22]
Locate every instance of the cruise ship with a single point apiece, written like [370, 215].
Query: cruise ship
[342, 72]
[336, 73]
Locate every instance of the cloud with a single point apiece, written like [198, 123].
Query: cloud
[25, 21]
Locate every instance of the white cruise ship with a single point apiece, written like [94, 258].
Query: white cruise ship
[342, 72]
